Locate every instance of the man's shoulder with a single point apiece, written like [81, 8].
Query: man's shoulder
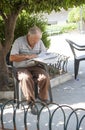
[20, 40]
[40, 41]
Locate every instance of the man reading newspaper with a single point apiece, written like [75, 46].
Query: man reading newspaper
[24, 49]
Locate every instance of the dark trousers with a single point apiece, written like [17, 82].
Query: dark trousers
[26, 77]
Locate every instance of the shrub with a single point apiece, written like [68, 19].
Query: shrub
[75, 14]
[25, 21]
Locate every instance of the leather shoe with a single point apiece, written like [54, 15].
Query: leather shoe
[34, 109]
[46, 101]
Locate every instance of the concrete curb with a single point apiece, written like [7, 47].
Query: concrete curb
[54, 82]
[60, 79]
[6, 95]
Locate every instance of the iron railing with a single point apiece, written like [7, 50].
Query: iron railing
[61, 117]
[58, 65]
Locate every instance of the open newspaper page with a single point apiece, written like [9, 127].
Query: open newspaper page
[44, 58]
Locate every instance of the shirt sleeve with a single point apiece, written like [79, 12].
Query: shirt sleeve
[15, 48]
[43, 48]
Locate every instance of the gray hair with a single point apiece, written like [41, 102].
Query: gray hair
[34, 30]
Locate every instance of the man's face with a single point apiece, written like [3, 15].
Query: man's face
[33, 39]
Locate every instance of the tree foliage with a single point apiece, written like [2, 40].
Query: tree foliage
[10, 9]
[8, 6]
[74, 14]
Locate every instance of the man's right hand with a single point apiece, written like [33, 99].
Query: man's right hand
[31, 56]
[21, 57]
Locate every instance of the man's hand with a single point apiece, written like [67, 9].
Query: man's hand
[31, 56]
[22, 57]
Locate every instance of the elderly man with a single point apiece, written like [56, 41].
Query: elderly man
[26, 48]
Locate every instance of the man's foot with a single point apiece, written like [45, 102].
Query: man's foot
[34, 109]
[46, 101]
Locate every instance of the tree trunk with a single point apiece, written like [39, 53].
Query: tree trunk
[10, 23]
[3, 71]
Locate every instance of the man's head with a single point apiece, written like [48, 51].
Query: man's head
[34, 35]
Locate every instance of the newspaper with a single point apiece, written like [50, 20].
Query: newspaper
[43, 57]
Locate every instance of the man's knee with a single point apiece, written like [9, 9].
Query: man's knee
[24, 76]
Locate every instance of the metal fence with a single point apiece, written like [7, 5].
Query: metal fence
[58, 65]
[50, 116]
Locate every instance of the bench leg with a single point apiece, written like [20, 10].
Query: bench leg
[50, 94]
[76, 67]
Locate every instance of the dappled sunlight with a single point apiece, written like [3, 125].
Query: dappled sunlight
[78, 105]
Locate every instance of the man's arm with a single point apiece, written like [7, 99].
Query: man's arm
[21, 57]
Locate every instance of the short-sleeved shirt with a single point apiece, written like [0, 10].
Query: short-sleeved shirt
[21, 46]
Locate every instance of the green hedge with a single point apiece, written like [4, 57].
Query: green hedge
[75, 14]
[25, 21]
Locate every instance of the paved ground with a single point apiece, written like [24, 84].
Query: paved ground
[72, 87]
[71, 92]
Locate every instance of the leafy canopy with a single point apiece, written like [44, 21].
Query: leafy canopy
[8, 6]
[74, 14]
